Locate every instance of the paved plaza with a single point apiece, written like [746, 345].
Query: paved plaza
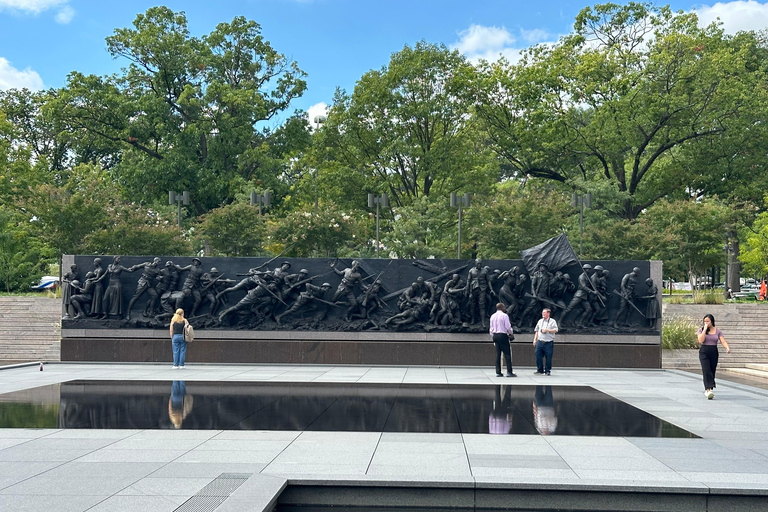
[160, 470]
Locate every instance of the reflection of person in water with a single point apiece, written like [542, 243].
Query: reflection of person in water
[544, 417]
[500, 419]
[180, 404]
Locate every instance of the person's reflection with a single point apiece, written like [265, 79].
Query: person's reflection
[500, 419]
[544, 417]
[180, 404]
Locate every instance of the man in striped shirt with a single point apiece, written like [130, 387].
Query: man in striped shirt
[500, 330]
[544, 341]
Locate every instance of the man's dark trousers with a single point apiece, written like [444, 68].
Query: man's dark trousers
[501, 341]
[544, 349]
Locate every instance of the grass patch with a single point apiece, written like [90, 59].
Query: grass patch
[679, 331]
[708, 297]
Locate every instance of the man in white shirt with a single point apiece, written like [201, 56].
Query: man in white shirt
[544, 341]
[500, 330]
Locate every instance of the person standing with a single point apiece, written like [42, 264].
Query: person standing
[544, 341]
[178, 323]
[500, 330]
[708, 336]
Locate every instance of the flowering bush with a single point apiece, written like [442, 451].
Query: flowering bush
[323, 233]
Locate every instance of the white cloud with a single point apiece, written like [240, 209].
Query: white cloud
[736, 16]
[479, 39]
[65, 15]
[318, 109]
[479, 42]
[536, 35]
[12, 78]
[30, 6]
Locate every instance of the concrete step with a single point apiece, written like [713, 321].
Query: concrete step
[762, 374]
[30, 328]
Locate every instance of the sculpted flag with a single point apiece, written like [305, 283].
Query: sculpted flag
[555, 253]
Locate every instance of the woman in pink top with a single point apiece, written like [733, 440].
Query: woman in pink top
[708, 337]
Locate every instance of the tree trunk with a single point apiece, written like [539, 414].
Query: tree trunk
[734, 267]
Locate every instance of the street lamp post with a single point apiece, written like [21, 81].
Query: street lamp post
[263, 200]
[173, 197]
[580, 201]
[382, 200]
[318, 121]
[459, 201]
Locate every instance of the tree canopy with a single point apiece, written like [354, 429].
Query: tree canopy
[661, 119]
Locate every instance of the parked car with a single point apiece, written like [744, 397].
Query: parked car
[46, 283]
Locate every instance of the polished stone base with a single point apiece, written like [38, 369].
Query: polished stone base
[629, 351]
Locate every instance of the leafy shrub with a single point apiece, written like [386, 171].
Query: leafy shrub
[679, 332]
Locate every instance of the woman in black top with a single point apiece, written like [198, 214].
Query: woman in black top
[178, 322]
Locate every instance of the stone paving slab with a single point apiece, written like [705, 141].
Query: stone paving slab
[150, 470]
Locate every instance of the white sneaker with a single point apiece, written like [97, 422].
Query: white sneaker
[175, 367]
[709, 394]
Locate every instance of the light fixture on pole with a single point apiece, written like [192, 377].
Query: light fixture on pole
[382, 200]
[263, 200]
[580, 201]
[173, 197]
[459, 201]
[318, 121]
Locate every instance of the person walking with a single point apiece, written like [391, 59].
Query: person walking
[708, 336]
[501, 330]
[544, 342]
[178, 323]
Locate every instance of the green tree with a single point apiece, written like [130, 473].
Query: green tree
[687, 235]
[23, 256]
[37, 132]
[514, 218]
[87, 216]
[618, 99]
[754, 253]
[407, 128]
[425, 228]
[236, 229]
[183, 114]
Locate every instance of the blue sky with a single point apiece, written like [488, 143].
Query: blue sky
[334, 41]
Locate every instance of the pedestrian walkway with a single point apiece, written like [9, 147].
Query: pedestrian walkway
[162, 470]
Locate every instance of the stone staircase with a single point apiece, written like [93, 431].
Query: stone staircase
[30, 329]
[745, 327]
